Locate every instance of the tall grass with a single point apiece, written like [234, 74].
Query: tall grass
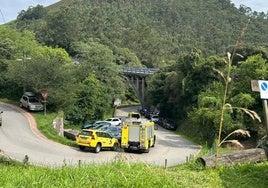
[227, 106]
[121, 174]
[44, 124]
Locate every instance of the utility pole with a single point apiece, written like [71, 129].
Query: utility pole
[24, 60]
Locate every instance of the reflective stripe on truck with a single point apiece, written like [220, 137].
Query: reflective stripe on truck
[124, 138]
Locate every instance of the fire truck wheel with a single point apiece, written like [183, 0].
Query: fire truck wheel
[148, 149]
[126, 150]
[154, 141]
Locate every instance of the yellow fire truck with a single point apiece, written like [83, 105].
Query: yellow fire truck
[138, 134]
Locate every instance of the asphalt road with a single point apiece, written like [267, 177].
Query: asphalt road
[20, 137]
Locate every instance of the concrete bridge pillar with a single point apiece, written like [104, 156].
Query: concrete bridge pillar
[136, 77]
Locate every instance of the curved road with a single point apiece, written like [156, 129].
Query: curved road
[20, 137]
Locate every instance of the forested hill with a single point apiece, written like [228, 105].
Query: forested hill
[154, 31]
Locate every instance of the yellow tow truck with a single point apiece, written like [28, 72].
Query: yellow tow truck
[138, 134]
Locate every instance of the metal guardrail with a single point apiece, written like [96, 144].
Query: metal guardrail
[70, 134]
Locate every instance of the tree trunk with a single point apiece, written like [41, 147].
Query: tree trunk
[228, 159]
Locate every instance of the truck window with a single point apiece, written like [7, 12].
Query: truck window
[134, 115]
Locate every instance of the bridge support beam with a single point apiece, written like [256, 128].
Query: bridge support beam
[142, 90]
[137, 78]
[139, 86]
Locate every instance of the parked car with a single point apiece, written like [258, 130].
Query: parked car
[102, 127]
[96, 140]
[169, 124]
[143, 111]
[154, 118]
[161, 121]
[148, 114]
[101, 124]
[114, 121]
[115, 132]
[134, 115]
[88, 125]
[1, 118]
[31, 102]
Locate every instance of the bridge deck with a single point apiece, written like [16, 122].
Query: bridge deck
[139, 71]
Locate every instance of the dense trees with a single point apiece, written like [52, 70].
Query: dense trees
[84, 89]
[155, 31]
[37, 67]
[186, 39]
[32, 13]
[99, 79]
[194, 91]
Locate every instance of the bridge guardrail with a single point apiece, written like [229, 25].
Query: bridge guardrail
[144, 71]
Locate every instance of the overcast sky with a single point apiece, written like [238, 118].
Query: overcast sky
[255, 5]
[9, 9]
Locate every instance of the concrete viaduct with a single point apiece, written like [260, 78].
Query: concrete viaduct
[137, 77]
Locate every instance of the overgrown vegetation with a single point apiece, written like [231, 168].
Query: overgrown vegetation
[74, 50]
[154, 32]
[124, 174]
[226, 106]
[121, 173]
[45, 125]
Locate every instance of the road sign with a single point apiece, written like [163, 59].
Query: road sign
[44, 94]
[263, 86]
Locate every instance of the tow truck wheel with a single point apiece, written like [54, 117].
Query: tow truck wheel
[98, 148]
[115, 147]
[82, 147]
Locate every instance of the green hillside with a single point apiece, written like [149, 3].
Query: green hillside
[155, 31]
[188, 40]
